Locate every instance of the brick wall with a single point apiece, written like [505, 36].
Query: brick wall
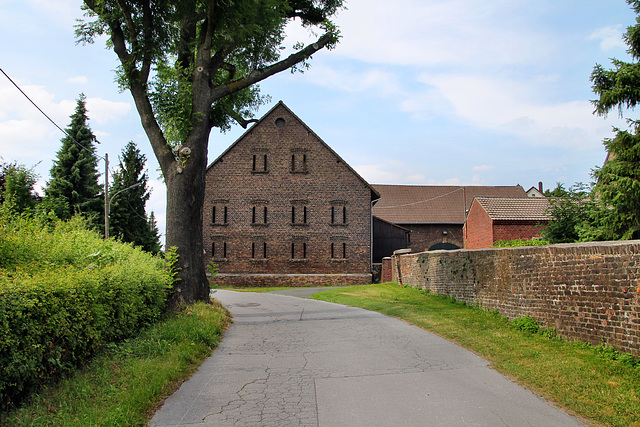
[423, 236]
[318, 211]
[478, 228]
[588, 291]
[510, 230]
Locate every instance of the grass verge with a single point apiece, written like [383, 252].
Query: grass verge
[581, 378]
[123, 386]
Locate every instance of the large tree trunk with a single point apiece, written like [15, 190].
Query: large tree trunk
[185, 198]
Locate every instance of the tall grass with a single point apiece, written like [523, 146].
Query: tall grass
[127, 382]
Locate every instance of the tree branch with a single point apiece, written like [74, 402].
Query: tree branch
[241, 120]
[128, 20]
[263, 73]
[147, 23]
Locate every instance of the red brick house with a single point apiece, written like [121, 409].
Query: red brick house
[435, 215]
[492, 219]
[282, 208]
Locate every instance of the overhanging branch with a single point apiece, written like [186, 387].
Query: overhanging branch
[263, 73]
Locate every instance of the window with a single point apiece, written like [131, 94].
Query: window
[338, 212]
[220, 212]
[299, 160]
[299, 212]
[339, 248]
[299, 250]
[259, 162]
[259, 213]
[219, 250]
[259, 250]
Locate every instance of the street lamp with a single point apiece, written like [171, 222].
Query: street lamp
[108, 210]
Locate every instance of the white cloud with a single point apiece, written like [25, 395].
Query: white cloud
[512, 107]
[103, 111]
[427, 32]
[81, 80]
[349, 80]
[610, 37]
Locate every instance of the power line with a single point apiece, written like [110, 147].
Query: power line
[49, 118]
[421, 201]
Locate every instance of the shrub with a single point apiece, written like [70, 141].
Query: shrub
[65, 293]
[519, 242]
[526, 324]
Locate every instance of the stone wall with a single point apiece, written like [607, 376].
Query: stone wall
[588, 292]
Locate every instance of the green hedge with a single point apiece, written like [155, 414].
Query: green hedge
[65, 293]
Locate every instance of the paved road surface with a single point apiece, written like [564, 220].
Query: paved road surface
[288, 361]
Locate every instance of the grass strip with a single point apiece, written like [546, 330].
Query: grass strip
[574, 375]
[124, 386]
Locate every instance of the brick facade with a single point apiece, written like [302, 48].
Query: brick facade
[424, 236]
[510, 230]
[478, 229]
[482, 230]
[281, 208]
[587, 291]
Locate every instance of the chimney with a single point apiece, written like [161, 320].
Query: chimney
[540, 187]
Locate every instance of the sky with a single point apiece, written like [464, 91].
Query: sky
[418, 92]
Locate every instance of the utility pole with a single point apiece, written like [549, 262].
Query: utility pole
[106, 196]
[108, 207]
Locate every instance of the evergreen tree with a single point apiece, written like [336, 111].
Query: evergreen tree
[129, 195]
[617, 190]
[154, 235]
[74, 187]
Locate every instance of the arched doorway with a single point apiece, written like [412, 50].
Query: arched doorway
[444, 246]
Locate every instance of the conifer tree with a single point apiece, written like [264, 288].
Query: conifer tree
[617, 190]
[154, 235]
[128, 220]
[74, 187]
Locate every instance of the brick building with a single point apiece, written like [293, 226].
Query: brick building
[435, 215]
[492, 219]
[282, 208]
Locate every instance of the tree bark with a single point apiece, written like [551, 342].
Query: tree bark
[185, 197]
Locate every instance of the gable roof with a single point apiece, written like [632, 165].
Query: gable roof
[374, 194]
[432, 204]
[515, 208]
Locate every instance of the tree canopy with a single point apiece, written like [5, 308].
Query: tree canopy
[191, 65]
[16, 187]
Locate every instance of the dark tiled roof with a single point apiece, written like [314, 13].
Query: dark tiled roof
[515, 208]
[431, 204]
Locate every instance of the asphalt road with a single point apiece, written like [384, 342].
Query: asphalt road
[288, 361]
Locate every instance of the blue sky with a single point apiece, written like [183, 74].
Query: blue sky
[436, 92]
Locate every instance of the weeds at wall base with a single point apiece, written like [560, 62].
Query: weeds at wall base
[529, 325]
